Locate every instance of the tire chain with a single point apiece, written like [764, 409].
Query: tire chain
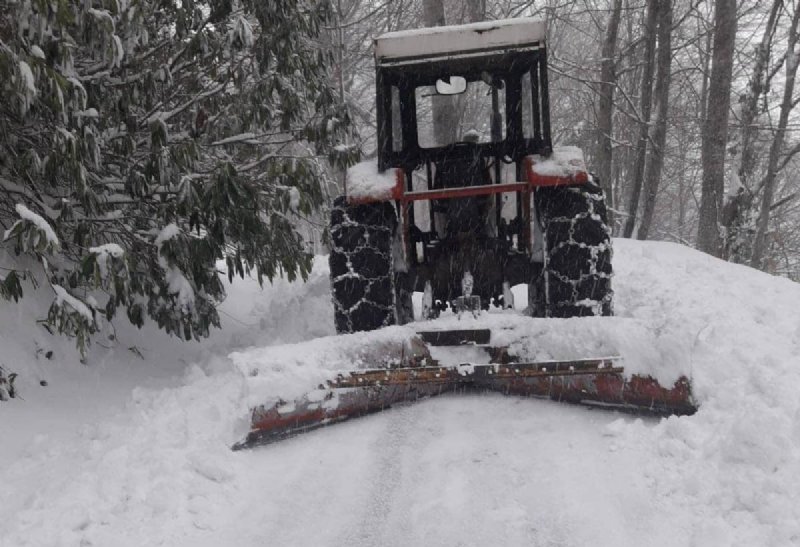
[365, 313]
[602, 252]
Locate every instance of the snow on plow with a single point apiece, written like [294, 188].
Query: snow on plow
[417, 374]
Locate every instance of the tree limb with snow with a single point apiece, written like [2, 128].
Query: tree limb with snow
[122, 120]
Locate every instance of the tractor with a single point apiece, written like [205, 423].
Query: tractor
[466, 198]
[467, 195]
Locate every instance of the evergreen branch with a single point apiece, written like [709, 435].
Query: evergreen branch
[14, 188]
[165, 116]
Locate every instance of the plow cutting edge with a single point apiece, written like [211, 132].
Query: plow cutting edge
[597, 382]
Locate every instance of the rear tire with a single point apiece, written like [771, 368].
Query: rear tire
[578, 251]
[362, 280]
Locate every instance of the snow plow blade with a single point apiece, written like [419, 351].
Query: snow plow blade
[598, 382]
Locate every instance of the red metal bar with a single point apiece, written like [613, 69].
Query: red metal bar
[465, 191]
[399, 193]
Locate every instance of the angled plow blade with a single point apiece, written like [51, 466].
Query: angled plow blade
[589, 381]
[599, 382]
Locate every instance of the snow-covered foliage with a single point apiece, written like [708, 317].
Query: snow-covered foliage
[72, 316]
[31, 232]
[109, 251]
[126, 117]
[286, 371]
[7, 387]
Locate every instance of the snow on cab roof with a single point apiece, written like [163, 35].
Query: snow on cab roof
[456, 39]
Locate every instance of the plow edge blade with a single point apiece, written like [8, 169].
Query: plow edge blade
[597, 382]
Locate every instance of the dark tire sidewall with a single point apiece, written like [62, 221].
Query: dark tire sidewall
[578, 252]
[362, 278]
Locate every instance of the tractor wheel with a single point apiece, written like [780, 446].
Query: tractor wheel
[578, 251]
[361, 265]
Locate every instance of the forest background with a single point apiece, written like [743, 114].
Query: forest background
[143, 141]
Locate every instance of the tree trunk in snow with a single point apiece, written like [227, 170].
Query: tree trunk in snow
[644, 113]
[792, 59]
[433, 13]
[476, 10]
[663, 75]
[715, 128]
[605, 109]
[756, 88]
[738, 204]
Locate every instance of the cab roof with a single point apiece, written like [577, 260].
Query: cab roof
[474, 39]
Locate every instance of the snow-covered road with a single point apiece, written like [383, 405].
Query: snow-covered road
[454, 470]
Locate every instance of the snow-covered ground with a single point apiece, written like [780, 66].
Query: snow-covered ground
[133, 447]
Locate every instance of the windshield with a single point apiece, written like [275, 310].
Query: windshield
[466, 117]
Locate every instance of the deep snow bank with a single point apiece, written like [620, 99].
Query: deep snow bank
[735, 465]
[104, 423]
[160, 473]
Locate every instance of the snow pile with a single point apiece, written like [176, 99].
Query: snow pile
[142, 433]
[282, 313]
[365, 181]
[288, 372]
[470, 470]
[734, 467]
[458, 39]
[164, 461]
[640, 348]
[565, 161]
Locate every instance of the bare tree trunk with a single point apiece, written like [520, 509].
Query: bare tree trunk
[646, 104]
[682, 191]
[433, 13]
[737, 208]
[476, 10]
[792, 60]
[663, 77]
[715, 128]
[756, 88]
[444, 107]
[605, 109]
[706, 56]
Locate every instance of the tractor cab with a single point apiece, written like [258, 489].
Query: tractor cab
[449, 93]
[463, 150]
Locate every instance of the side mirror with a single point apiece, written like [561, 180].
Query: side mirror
[453, 86]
